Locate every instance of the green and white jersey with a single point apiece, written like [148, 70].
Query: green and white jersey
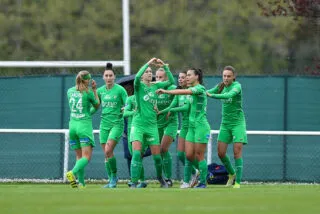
[184, 103]
[198, 109]
[130, 109]
[112, 100]
[164, 101]
[80, 103]
[231, 98]
[180, 104]
[146, 98]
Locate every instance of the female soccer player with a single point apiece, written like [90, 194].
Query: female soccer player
[144, 130]
[81, 138]
[199, 129]
[181, 104]
[167, 126]
[113, 98]
[233, 125]
[129, 111]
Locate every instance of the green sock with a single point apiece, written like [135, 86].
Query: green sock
[80, 164]
[226, 162]
[136, 165]
[203, 168]
[142, 178]
[158, 165]
[113, 166]
[195, 165]
[81, 177]
[239, 167]
[187, 171]
[167, 165]
[107, 167]
[182, 157]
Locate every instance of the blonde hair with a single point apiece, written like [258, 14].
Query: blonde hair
[164, 72]
[80, 85]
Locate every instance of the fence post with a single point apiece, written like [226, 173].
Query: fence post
[66, 155]
[285, 128]
[209, 149]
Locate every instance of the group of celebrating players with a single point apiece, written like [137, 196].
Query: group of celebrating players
[152, 111]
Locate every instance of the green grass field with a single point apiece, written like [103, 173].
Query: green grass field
[60, 198]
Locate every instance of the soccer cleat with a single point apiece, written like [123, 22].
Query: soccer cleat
[106, 186]
[236, 186]
[169, 182]
[133, 185]
[163, 183]
[201, 186]
[113, 182]
[230, 180]
[194, 178]
[81, 186]
[184, 185]
[130, 183]
[72, 179]
[142, 185]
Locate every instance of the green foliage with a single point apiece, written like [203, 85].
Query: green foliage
[184, 33]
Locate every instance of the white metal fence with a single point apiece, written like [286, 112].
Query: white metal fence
[65, 132]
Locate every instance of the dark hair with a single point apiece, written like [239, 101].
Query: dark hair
[221, 84]
[181, 72]
[199, 73]
[109, 67]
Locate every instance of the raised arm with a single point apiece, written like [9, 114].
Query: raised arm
[138, 76]
[96, 101]
[167, 71]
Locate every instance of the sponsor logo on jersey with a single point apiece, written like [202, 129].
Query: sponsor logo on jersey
[76, 94]
[109, 104]
[75, 115]
[161, 96]
[150, 139]
[146, 97]
[107, 97]
[150, 98]
[227, 100]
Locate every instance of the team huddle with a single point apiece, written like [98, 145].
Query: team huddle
[152, 113]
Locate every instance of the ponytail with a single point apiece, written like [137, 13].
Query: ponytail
[221, 86]
[199, 73]
[81, 77]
